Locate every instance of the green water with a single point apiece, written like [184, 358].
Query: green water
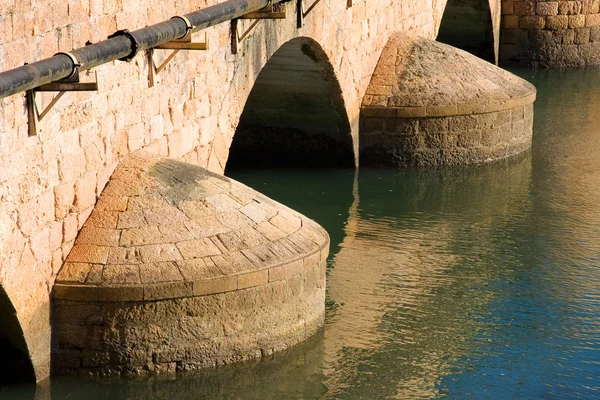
[478, 283]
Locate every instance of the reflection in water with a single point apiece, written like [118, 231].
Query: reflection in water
[470, 283]
[404, 277]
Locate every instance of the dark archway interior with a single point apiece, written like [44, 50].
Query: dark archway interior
[467, 25]
[15, 365]
[295, 114]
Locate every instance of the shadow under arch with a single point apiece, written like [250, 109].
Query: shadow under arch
[15, 364]
[295, 113]
[468, 25]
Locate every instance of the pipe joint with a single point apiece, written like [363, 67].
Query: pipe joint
[135, 44]
[76, 63]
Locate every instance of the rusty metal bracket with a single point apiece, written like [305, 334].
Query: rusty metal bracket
[183, 43]
[271, 11]
[70, 84]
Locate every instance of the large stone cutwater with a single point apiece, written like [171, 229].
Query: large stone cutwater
[179, 268]
[430, 104]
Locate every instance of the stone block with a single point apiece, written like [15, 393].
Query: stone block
[56, 235]
[508, 8]
[198, 248]
[74, 272]
[64, 195]
[131, 219]
[88, 254]
[592, 20]
[557, 22]
[112, 203]
[261, 256]
[121, 255]
[522, 8]
[577, 21]
[547, 8]
[121, 274]
[171, 290]
[569, 7]
[432, 125]
[159, 252]
[164, 216]
[582, 35]
[74, 293]
[590, 7]
[160, 272]
[510, 22]
[462, 123]
[85, 192]
[70, 228]
[286, 270]
[216, 285]
[253, 279]
[98, 236]
[119, 293]
[103, 219]
[595, 34]
[532, 22]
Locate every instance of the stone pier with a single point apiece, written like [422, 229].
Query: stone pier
[179, 268]
[430, 104]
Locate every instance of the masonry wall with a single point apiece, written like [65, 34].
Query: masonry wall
[49, 182]
[447, 141]
[550, 33]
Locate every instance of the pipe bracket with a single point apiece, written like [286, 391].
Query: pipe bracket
[68, 84]
[183, 43]
[135, 44]
[270, 11]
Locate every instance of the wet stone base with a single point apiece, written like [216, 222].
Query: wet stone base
[263, 146]
[173, 335]
[446, 141]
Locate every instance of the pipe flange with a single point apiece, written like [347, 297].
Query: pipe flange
[135, 45]
[188, 25]
[76, 63]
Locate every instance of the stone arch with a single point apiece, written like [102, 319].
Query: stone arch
[295, 112]
[473, 26]
[16, 365]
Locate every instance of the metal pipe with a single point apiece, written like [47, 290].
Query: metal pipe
[123, 46]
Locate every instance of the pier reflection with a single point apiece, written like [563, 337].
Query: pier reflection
[403, 285]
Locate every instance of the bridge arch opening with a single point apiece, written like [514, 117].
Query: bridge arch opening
[15, 365]
[295, 113]
[468, 25]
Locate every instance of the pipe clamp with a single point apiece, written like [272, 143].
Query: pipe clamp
[76, 63]
[188, 25]
[135, 44]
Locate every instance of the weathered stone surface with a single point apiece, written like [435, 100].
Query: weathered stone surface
[551, 35]
[146, 270]
[444, 102]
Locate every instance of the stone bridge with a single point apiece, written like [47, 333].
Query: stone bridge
[312, 79]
